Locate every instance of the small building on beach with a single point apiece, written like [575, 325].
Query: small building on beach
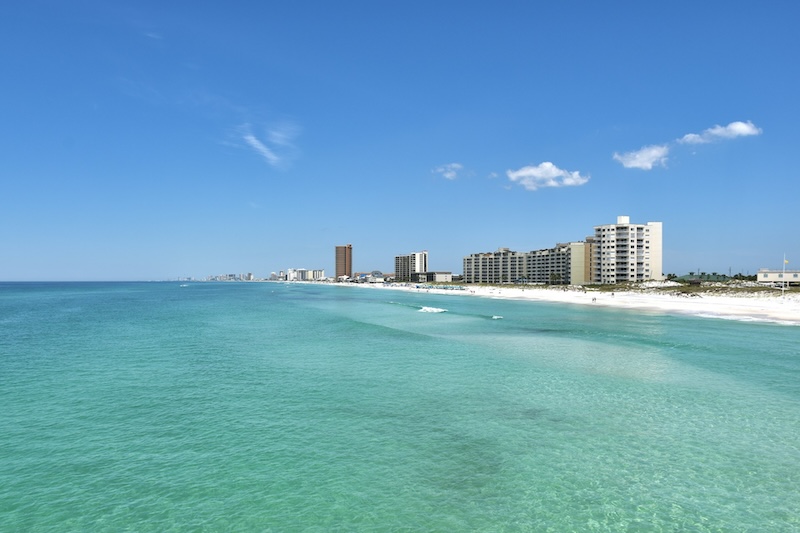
[432, 277]
[778, 277]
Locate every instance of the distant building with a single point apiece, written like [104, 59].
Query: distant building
[627, 252]
[376, 276]
[302, 274]
[407, 265]
[344, 261]
[778, 277]
[616, 253]
[502, 266]
[566, 263]
[432, 277]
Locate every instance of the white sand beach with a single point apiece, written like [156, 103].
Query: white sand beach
[745, 306]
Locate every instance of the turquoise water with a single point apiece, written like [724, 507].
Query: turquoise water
[275, 407]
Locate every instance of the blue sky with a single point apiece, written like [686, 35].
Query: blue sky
[153, 140]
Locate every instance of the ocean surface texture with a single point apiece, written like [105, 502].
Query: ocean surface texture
[287, 407]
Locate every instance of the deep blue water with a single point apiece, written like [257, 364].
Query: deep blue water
[287, 407]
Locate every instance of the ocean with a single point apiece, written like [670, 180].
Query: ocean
[300, 407]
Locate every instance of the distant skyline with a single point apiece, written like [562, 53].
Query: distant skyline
[150, 140]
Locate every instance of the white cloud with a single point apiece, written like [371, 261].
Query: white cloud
[261, 149]
[656, 154]
[284, 134]
[645, 158]
[277, 148]
[731, 131]
[449, 171]
[545, 175]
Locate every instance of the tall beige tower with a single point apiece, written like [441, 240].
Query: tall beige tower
[344, 261]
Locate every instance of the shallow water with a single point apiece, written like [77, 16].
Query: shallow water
[156, 407]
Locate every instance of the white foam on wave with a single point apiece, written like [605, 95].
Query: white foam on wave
[427, 309]
[746, 318]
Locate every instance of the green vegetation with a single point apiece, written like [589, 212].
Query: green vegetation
[688, 289]
[731, 287]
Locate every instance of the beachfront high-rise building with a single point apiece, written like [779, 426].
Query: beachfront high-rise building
[344, 261]
[616, 253]
[302, 274]
[407, 265]
[502, 266]
[627, 252]
[565, 263]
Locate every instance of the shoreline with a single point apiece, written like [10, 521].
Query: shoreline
[743, 307]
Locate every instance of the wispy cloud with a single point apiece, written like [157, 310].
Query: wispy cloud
[276, 146]
[645, 158]
[732, 130]
[262, 149]
[545, 175]
[449, 171]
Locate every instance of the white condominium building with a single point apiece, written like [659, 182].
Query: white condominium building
[406, 265]
[301, 274]
[567, 263]
[502, 266]
[627, 252]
